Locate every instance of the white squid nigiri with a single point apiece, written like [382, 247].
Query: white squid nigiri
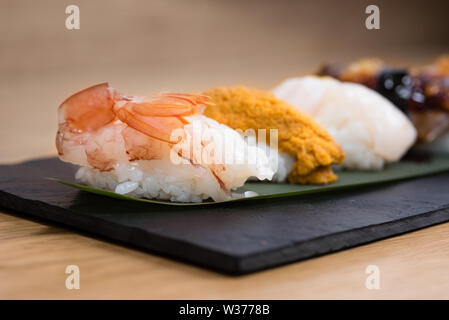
[369, 128]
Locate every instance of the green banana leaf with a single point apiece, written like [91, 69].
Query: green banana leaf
[346, 179]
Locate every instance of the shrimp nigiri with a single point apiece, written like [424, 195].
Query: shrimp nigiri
[126, 144]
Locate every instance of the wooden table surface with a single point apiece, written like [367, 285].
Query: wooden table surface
[169, 45]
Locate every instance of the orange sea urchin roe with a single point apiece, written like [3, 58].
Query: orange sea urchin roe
[299, 135]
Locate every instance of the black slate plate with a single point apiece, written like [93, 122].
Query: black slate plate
[234, 238]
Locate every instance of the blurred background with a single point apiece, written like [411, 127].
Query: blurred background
[187, 45]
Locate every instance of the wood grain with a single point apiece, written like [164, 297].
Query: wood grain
[169, 45]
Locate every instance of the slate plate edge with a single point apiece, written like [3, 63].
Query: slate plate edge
[133, 236]
[228, 264]
[335, 242]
